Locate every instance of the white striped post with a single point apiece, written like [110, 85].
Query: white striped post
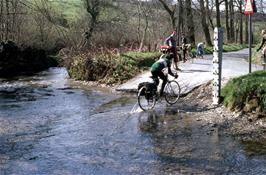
[217, 64]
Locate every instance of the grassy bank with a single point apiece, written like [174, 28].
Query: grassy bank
[247, 93]
[109, 68]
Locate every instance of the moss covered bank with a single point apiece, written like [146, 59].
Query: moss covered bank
[246, 93]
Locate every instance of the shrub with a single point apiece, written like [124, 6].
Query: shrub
[233, 47]
[238, 92]
[108, 68]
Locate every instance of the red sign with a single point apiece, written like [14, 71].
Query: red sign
[248, 7]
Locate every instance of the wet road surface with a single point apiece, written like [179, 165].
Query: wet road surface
[50, 125]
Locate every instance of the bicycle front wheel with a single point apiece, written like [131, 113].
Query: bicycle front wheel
[146, 100]
[172, 92]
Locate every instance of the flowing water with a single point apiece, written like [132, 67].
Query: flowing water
[50, 125]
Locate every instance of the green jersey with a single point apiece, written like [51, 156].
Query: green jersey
[162, 63]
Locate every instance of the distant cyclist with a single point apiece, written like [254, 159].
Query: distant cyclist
[200, 49]
[263, 45]
[157, 70]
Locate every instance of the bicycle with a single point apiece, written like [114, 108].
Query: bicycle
[148, 96]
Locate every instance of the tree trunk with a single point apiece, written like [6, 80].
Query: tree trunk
[170, 12]
[209, 14]
[180, 21]
[246, 29]
[93, 8]
[227, 21]
[232, 28]
[218, 18]
[241, 22]
[144, 33]
[1, 20]
[190, 23]
[7, 21]
[204, 23]
[237, 30]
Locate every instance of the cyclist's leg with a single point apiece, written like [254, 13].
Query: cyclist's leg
[174, 51]
[164, 78]
[155, 77]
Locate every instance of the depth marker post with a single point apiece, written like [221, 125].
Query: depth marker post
[217, 65]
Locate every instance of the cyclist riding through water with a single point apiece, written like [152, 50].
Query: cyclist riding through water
[157, 70]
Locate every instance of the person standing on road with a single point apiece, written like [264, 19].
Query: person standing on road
[184, 46]
[157, 70]
[200, 49]
[263, 45]
[171, 42]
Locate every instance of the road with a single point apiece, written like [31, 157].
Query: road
[199, 71]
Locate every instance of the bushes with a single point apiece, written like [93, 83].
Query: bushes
[233, 47]
[246, 93]
[226, 48]
[109, 68]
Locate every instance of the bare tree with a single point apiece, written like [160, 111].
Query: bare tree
[240, 14]
[204, 23]
[180, 20]
[144, 11]
[227, 28]
[218, 16]
[231, 20]
[171, 10]
[209, 13]
[93, 9]
[190, 22]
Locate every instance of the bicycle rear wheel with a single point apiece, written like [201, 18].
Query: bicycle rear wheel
[146, 99]
[172, 92]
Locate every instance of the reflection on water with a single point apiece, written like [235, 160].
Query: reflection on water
[51, 126]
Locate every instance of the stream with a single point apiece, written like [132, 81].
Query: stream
[50, 124]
